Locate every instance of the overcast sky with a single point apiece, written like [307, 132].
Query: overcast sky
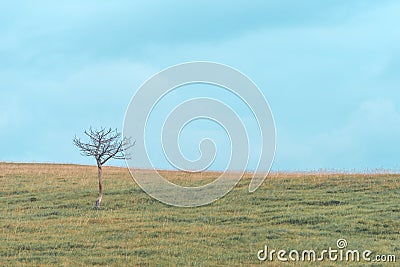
[329, 70]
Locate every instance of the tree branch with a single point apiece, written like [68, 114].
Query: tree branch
[104, 144]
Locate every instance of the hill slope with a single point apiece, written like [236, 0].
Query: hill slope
[47, 218]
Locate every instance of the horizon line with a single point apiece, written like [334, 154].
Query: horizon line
[316, 171]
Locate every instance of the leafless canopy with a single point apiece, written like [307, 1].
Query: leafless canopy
[104, 144]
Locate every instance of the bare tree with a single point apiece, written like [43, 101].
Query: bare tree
[103, 144]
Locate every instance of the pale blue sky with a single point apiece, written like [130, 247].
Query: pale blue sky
[329, 70]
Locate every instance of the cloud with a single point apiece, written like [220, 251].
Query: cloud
[325, 67]
[74, 31]
[43, 113]
[367, 140]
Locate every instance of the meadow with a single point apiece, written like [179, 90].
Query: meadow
[47, 218]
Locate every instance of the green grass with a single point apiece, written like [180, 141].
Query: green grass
[47, 219]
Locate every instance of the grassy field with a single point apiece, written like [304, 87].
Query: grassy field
[47, 219]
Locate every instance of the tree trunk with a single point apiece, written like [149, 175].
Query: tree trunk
[100, 187]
